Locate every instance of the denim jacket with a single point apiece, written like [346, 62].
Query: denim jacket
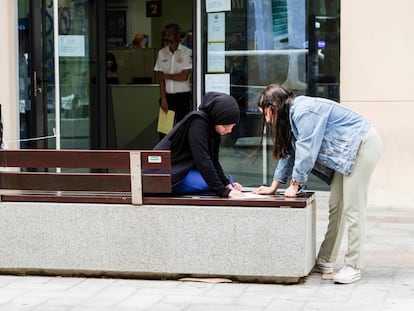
[325, 132]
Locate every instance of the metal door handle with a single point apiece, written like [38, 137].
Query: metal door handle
[37, 89]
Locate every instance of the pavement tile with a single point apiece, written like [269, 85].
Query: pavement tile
[206, 300]
[401, 304]
[115, 293]
[52, 308]
[222, 308]
[7, 295]
[257, 299]
[186, 289]
[26, 301]
[12, 307]
[283, 304]
[139, 301]
[227, 290]
[161, 306]
[146, 283]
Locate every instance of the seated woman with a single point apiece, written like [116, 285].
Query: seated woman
[194, 143]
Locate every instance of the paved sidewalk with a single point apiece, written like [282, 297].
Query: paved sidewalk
[387, 283]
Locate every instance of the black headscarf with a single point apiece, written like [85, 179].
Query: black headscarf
[221, 108]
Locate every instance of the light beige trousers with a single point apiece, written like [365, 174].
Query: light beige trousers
[348, 203]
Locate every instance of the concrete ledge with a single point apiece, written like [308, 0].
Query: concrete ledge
[268, 244]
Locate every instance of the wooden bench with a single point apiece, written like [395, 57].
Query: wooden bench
[108, 176]
[59, 222]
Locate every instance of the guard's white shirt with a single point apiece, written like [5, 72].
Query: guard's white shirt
[172, 63]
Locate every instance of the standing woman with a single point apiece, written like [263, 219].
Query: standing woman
[194, 143]
[313, 131]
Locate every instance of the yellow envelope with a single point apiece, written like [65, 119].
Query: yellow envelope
[165, 121]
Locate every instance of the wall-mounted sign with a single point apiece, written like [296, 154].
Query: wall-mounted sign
[218, 5]
[153, 8]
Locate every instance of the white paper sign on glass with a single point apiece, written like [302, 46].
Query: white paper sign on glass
[217, 83]
[216, 27]
[215, 57]
[71, 46]
[218, 5]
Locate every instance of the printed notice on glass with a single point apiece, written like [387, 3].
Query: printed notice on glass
[217, 83]
[216, 27]
[215, 57]
[218, 5]
[71, 46]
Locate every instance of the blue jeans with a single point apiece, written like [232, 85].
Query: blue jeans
[193, 182]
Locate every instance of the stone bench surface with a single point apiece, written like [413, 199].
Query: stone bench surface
[61, 223]
[240, 242]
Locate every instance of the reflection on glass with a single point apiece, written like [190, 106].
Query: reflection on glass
[267, 41]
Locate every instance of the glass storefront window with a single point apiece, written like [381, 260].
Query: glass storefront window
[253, 43]
[47, 122]
[74, 75]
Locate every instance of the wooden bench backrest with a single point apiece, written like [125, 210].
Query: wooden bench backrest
[126, 176]
[106, 187]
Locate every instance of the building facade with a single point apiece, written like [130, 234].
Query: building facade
[374, 79]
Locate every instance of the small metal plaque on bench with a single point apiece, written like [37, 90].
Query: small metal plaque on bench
[154, 159]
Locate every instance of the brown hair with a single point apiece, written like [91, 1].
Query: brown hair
[278, 99]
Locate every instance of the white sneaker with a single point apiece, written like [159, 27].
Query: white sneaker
[347, 275]
[323, 266]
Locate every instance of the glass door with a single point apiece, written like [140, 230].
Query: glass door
[32, 76]
[57, 72]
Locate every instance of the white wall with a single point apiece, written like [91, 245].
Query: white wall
[377, 79]
[8, 63]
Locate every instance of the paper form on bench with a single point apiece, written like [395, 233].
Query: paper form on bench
[251, 195]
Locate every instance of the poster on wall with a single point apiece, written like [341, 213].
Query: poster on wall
[116, 28]
[218, 5]
[217, 83]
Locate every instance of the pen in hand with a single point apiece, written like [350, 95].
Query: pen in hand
[231, 180]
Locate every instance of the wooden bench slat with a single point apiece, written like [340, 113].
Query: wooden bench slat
[153, 183]
[270, 201]
[93, 159]
[68, 198]
[82, 197]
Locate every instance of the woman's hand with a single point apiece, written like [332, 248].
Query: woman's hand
[236, 194]
[292, 191]
[235, 185]
[265, 190]
[268, 190]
